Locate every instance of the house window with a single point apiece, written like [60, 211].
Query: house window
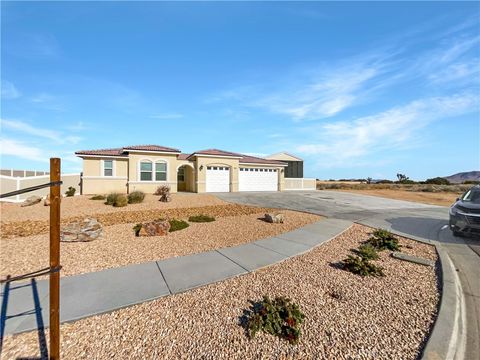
[181, 174]
[145, 171]
[160, 171]
[107, 167]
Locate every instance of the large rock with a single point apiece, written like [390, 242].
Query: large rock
[274, 218]
[87, 230]
[155, 228]
[32, 200]
[46, 202]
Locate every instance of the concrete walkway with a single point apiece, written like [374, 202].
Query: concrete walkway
[25, 304]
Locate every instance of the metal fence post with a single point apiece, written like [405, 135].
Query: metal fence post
[55, 260]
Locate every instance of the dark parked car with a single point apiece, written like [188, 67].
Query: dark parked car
[465, 213]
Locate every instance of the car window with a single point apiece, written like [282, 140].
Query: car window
[472, 196]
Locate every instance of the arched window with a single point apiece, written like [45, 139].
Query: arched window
[153, 171]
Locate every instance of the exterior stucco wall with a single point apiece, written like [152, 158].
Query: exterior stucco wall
[104, 186]
[95, 183]
[283, 157]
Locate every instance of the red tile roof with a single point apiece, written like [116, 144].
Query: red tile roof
[216, 152]
[151, 148]
[105, 152]
[183, 156]
[256, 160]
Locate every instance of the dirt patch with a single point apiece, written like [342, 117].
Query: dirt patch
[120, 247]
[347, 316]
[440, 198]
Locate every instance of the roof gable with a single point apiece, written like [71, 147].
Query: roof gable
[285, 156]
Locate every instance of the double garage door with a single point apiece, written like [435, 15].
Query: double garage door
[249, 179]
[255, 179]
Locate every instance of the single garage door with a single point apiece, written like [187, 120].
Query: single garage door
[255, 179]
[218, 179]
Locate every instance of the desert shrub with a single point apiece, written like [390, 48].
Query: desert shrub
[121, 201]
[164, 192]
[97, 197]
[137, 229]
[383, 239]
[112, 198]
[471, 182]
[136, 197]
[70, 191]
[384, 182]
[437, 181]
[361, 266]
[176, 225]
[367, 252]
[201, 218]
[279, 317]
[427, 188]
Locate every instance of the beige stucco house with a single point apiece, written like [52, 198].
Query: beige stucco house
[145, 167]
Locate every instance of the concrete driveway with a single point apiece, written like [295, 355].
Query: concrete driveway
[426, 222]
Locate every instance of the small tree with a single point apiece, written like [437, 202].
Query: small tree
[369, 180]
[402, 178]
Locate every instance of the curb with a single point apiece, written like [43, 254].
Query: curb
[447, 338]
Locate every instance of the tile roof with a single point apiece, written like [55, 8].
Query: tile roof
[151, 148]
[105, 152]
[216, 152]
[256, 160]
[183, 156]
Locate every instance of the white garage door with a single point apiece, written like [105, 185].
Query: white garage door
[254, 179]
[218, 179]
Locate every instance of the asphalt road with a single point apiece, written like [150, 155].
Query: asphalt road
[427, 222]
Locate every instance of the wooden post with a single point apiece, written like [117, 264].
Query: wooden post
[55, 260]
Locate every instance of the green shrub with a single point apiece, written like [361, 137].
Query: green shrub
[137, 229]
[71, 191]
[112, 198]
[279, 317]
[383, 239]
[201, 218]
[437, 181]
[176, 225]
[136, 197]
[367, 252]
[121, 201]
[97, 197]
[361, 266]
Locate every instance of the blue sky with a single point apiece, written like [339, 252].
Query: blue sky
[356, 89]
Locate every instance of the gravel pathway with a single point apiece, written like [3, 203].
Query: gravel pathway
[347, 316]
[120, 247]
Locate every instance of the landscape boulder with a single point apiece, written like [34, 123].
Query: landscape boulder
[154, 228]
[86, 230]
[46, 202]
[32, 200]
[274, 218]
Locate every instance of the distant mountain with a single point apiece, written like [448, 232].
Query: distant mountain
[464, 176]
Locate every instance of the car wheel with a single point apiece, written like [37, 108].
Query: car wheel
[457, 233]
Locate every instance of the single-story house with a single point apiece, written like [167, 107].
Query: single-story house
[145, 167]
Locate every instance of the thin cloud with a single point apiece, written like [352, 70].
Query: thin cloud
[166, 116]
[9, 91]
[24, 128]
[348, 141]
[20, 149]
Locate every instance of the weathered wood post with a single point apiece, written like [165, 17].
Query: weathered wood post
[55, 260]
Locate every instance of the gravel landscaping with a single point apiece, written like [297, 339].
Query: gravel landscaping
[119, 246]
[83, 206]
[347, 316]
[34, 227]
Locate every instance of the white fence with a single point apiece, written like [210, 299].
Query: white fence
[300, 184]
[10, 183]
